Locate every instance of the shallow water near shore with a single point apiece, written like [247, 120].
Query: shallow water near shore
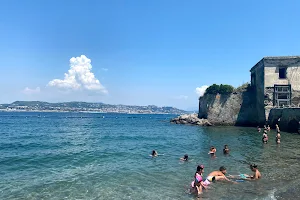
[86, 156]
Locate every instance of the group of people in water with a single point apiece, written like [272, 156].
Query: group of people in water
[199, 183]
[265, 134]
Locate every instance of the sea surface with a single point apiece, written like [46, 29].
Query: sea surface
[106, 156]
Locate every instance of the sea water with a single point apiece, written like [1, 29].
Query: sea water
[106, 156]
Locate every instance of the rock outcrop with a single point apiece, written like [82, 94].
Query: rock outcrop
[191, 119]
[237, 109]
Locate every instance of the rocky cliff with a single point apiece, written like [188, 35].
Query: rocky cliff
[237, 108]
[288, 119]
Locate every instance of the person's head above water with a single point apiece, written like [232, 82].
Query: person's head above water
[253, 167]
[186, 157]
[200, 168]
[154, 152]
[223, 170]
[225, 146]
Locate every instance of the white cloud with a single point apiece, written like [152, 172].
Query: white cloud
[29, 91]
[79, 77]
[104, 69]
[181, 97]
[201, 90]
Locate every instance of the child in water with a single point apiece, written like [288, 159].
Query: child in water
[198, 184]
[278, 136]
[226, 149]
[265, 137]
[185, 158]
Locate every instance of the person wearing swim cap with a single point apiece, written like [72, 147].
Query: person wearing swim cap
[217, 175]
[198, 184]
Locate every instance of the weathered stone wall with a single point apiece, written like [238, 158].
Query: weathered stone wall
[292, 65]
[259, 92]
[232, 109]
[289, 119]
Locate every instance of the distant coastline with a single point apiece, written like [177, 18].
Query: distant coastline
[85, 107]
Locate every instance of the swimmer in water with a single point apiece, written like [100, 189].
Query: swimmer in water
[268, 128]
[258, 129]
[154, 153]
[185, 158]
[226, 149]
[256, 174]
[278, 136]
[198, 184]
[216, 176]
[265, 137]
[212, 151]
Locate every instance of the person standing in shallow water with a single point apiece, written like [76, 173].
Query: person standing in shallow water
[265, 137]
[277, 128]
[268, 128]
[278, 136]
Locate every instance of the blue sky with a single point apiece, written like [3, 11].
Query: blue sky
[141, 52]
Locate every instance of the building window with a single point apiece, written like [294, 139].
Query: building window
[282, 72]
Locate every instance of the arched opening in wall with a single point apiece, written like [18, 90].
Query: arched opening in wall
[293, 126]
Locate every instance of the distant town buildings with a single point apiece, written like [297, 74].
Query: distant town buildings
[87, 107]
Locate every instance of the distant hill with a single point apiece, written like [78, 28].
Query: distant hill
[87, 107]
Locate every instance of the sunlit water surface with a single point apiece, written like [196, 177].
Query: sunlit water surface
[106, 156]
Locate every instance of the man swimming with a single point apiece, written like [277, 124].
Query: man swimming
[217, 175]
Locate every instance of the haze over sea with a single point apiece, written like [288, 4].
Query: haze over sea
[86, 156]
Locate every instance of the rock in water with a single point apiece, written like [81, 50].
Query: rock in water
[190, 119]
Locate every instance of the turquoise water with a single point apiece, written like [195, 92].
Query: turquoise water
[86, 156]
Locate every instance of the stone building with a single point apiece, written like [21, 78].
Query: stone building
[276, 83]
[277, 79]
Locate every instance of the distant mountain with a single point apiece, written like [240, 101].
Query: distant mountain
[87, 107]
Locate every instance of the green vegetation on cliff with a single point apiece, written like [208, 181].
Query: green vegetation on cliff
[221, 89]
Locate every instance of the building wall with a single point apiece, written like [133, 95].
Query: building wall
[259, 92]
[271, 69]
[293, 77]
